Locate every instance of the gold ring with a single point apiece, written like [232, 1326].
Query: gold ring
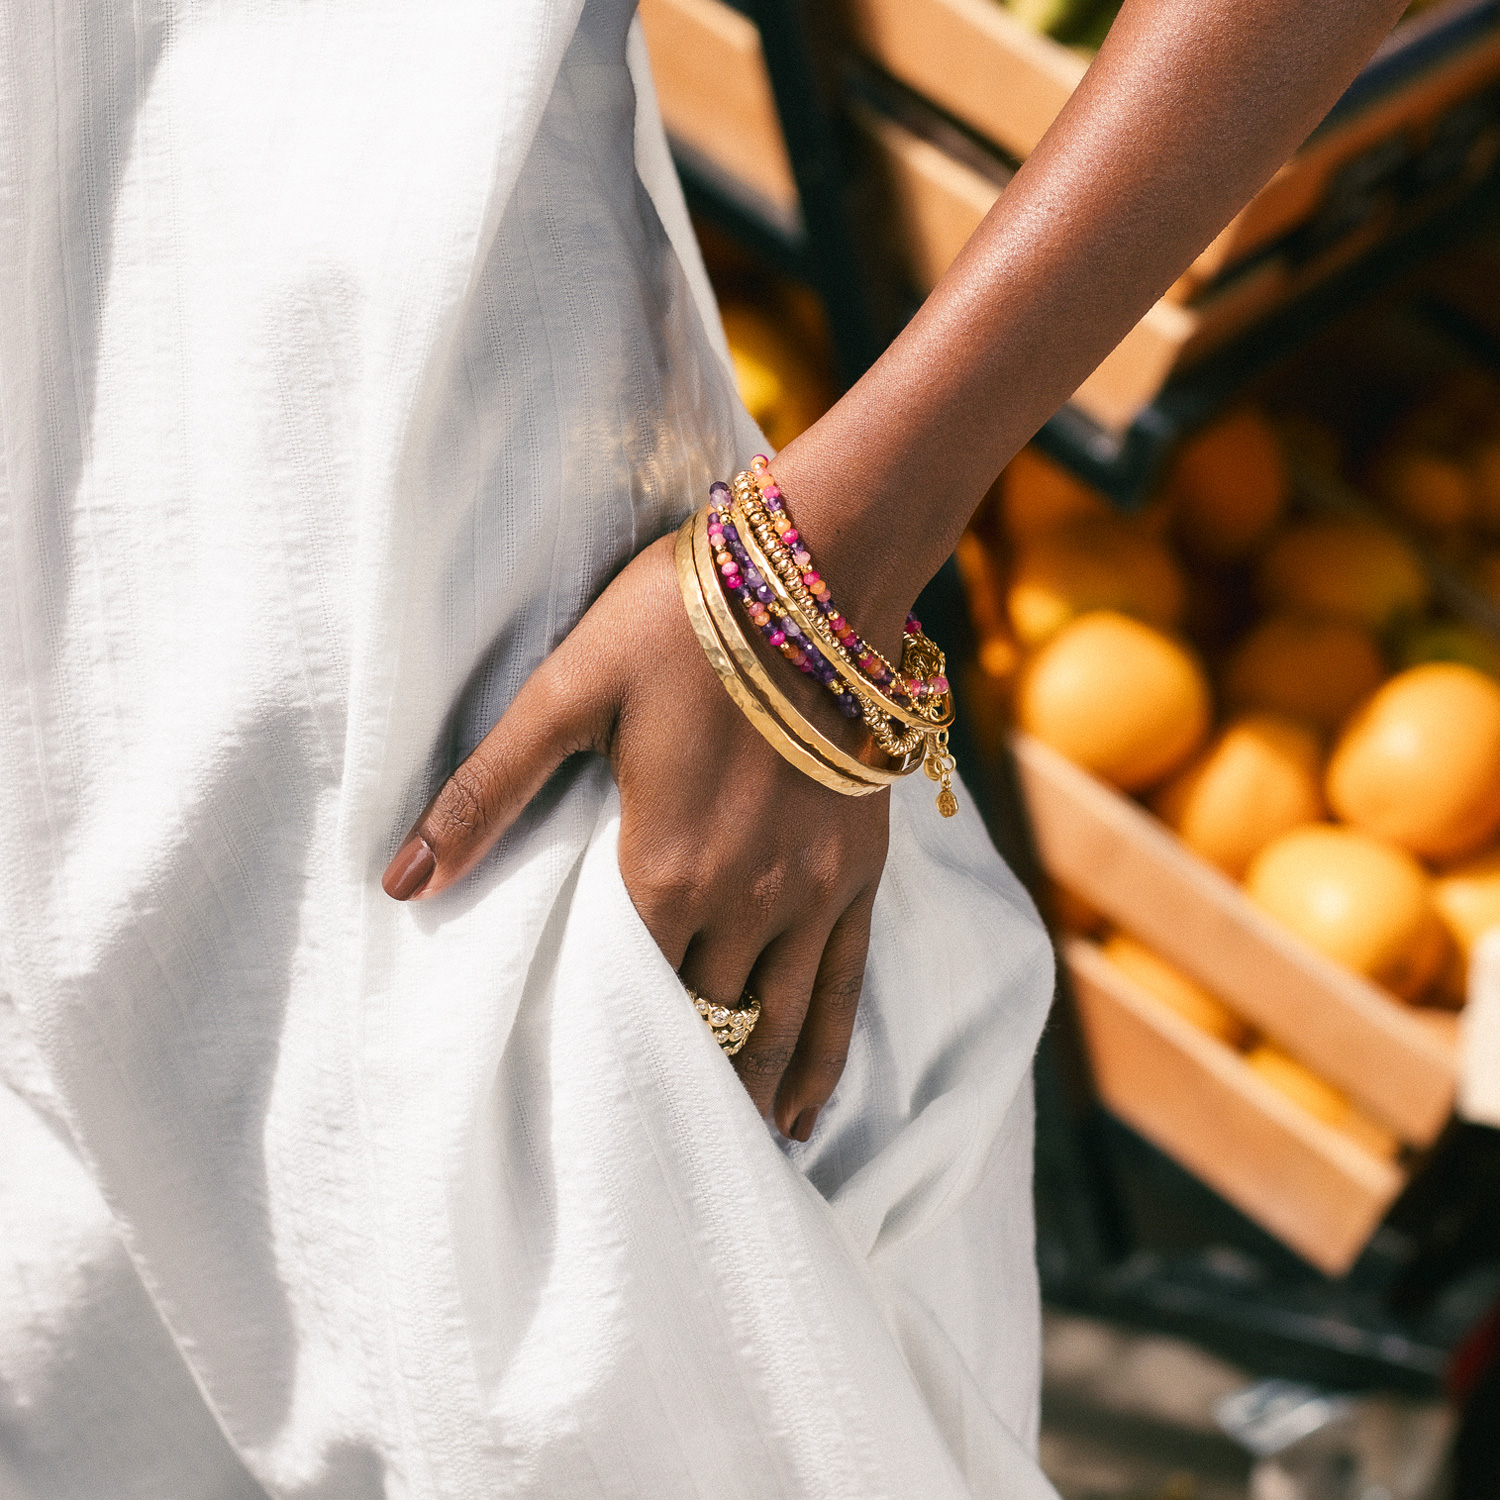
[731, 1028]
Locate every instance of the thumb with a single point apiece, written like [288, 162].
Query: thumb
[566, 705]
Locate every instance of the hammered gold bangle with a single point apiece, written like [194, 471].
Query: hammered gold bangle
[765, 723]
[749, 664]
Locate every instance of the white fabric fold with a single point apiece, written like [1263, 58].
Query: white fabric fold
[353, 358]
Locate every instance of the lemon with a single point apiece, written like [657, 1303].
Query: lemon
[1420, 763]
[1343, 570]
[1228, 485]
[1364, 902]
[1099, 563]
[1037, 494]
[1174, 989]
[1319, 1098]
[1258, 779]
[1309, 669]
[1121, 699]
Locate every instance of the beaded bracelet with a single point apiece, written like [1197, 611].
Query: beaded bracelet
[743, 545]
[743, 579]
[870, 661]
[921, 700]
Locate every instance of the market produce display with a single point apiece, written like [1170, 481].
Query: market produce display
[1279, 687]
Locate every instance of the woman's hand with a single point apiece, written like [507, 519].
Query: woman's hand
[746, 872]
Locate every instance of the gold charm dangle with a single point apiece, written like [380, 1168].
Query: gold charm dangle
[940, 766]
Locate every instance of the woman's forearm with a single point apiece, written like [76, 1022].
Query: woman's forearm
[1188, 110]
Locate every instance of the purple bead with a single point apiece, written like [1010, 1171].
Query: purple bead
[763, 593]
[753, 578]
[718, 487]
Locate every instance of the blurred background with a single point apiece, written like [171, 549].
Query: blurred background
[1227, 642]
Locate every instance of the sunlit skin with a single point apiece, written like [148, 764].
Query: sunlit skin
[746, 872]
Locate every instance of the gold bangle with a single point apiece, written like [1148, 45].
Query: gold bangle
[761, 718]
[722, 613]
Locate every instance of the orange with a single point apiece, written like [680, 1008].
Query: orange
[1484, 475]
[1310, 669]
[1100, 563]
[1468, 899]
[1428, 488]
[1365, 903]
[1319, 1098]
[1037, 494]
[1343, 570]
[1420, 763]
[1228, 484]
[1174, 989]
[1258, 779]
[1121, 699]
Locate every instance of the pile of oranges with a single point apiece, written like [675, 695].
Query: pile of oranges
[1275, 686]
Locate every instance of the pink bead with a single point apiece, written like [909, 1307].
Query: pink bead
[771, 492]
[790, 537]
[777, 637]
[728, 569]
[940, 684]
[809, 578]
[802, 559]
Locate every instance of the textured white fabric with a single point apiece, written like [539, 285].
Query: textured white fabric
[343, 356]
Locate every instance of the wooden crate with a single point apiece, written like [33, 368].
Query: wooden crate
[937, 202]
[1304, 1181]
[716, 99]
[973, 59]
[976, 61]
[1130, 866]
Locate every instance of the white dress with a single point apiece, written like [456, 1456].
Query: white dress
[343, 356]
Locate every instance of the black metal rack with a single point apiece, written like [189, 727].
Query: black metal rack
[1122, 1230]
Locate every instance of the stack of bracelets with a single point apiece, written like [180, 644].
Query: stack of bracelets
[743, 546]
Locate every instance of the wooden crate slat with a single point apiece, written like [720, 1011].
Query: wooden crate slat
[1304, 1181]
[1129, 865]
[975, 60]
[715, 94]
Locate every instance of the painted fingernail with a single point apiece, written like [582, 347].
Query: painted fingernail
[802, 1126]
[410, 870]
